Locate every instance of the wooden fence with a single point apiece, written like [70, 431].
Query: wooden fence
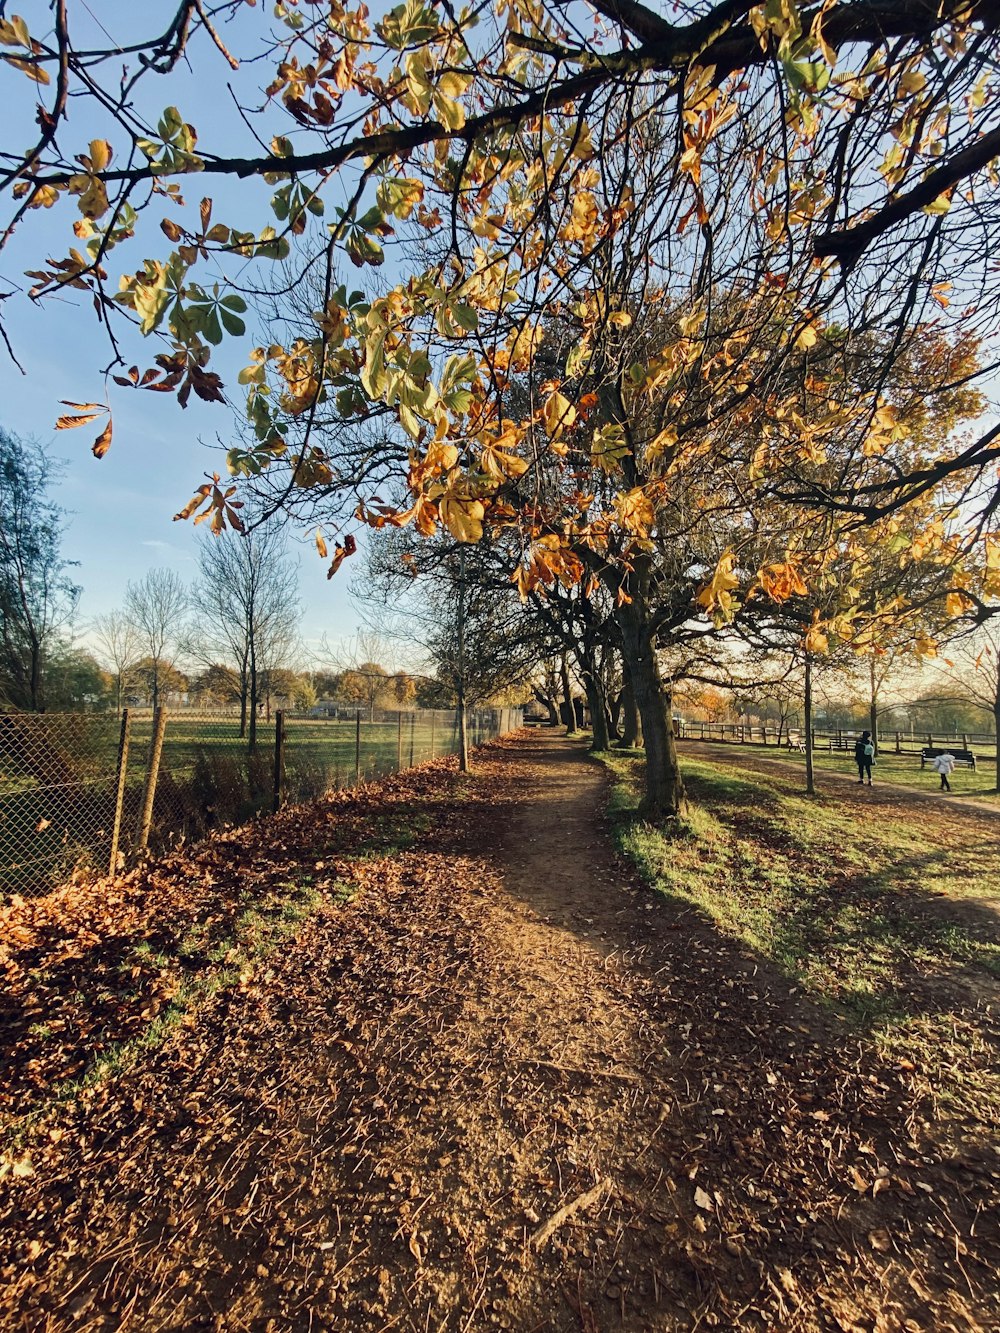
[892, 742]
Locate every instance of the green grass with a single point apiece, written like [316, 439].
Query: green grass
[851, 910]
[900, 769]
[867, 917]
[308, 742]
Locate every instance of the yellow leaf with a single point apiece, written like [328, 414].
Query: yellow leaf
[463, 517]
[716, 593]
[689, 325]
[583, 221]
[36, 72]
[608, 447]
[634, 511]
[806, 338]
[320, 544]
[690, 163]
[940, 205]
[93, 195]
[816, 641]
[500, 465]
[100, 154]
[912, 82]
[558, 414]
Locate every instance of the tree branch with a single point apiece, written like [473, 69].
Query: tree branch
[850, 242]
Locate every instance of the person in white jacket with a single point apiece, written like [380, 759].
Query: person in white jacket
[945, 765]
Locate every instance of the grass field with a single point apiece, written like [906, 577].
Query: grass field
[58, 778]
[903, 769]
[884, 916]
[309, 742]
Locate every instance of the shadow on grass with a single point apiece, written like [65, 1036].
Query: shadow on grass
[855, 926]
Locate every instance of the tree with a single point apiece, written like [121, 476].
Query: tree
[368, 683]
[37, 598]
[709, 166]
[217, 684]
[458, 612]
[518, 143]
[246, 612]
[158, 679]
[118, 643]
[155, 606]
[75, 679]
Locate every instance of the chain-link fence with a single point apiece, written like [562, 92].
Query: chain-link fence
[58, 795]
[82, 792]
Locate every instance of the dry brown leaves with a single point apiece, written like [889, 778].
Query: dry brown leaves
[367, 1130]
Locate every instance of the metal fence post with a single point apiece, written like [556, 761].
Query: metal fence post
[152, 773]
[119, 792]
[433, 716]
[357, 747]
[413, 727]
[279, 759]
[399, 741]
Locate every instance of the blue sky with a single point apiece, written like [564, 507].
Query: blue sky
[122, 506]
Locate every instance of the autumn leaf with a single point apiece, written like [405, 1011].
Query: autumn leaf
[717, 593]
[462, 516]
[103, 442]
[558, 414]
[634, 511]
[340, 554]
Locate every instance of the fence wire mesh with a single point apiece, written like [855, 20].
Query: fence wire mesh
[58, 795]
[82, 792]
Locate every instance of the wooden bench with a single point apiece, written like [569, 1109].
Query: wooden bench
[964, 757]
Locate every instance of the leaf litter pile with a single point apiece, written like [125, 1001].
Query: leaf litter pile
[423, 1057]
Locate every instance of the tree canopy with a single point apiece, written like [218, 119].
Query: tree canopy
[618, 272]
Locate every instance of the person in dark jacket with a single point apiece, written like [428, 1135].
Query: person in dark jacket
[864, 756]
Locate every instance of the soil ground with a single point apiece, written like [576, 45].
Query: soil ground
[500, 1087]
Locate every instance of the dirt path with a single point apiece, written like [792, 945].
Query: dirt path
[503, 1088]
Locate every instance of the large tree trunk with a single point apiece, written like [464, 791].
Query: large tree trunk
[808, 710]
[631, 723]
[664, 796]
[996, 735]
[569, 713]
[596, 702]
[873, 706]
[463, 716]
[549, 704]
[614, 713]
[612, 702]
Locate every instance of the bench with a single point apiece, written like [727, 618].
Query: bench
[963, 757]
